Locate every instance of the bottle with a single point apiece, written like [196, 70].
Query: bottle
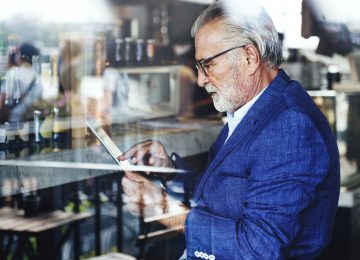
[13, 140]
[10, 136]
[150, 50]
[2, 135]
[24, 130]
[36, 140]
[58, 132]
[119, 51]
[139, 50]
[13, 132]
[31, 203]
[56, 125]
[54, 70]
[3, 142]
[3, 153]
[128, 51]
[37, 117]
[61, 136]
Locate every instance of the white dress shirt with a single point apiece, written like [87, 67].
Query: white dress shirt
[235, 118]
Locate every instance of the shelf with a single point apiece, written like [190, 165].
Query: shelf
[204, 2]
[347, 87]
[148, 69]
[322, 93]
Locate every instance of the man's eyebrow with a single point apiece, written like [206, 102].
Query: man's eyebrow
[197, 58]
[200, 60]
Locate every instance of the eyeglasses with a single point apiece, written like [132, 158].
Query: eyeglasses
[203, 66]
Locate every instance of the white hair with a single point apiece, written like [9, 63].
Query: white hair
[245, 22]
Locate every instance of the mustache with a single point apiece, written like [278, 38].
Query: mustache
[211, 88]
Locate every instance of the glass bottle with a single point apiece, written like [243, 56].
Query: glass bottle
[2, 135]
[37, 117]
[56, 125]
[119, 51]
[128, 50]
[139, 50]
[150, 50]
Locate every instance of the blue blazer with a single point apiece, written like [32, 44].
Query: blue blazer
[271, 191]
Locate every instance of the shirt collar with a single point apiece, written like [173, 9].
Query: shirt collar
[235, 118]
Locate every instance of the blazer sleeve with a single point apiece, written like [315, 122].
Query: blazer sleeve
[183, 182]
[186, 181]
[286, 163]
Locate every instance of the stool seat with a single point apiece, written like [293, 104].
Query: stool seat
[113, 256]
[14, 223]
[17, 223]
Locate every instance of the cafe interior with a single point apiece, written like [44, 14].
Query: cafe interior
[78, 75]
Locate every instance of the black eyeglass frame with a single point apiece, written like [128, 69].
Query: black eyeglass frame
[199, 64]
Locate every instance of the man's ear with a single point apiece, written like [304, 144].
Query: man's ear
[252, 58]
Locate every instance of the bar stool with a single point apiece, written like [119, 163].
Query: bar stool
[113, 256]
[15, 224]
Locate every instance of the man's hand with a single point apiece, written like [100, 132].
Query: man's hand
[150, 153]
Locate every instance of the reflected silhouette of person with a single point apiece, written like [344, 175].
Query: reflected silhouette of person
[22, 86]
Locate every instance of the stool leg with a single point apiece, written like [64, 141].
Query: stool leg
[29, 249]
[119, 209]
[7, 248]
[97, 219]
[19, 252]
[76, 227]
[2, 248]
[1, 244]
[144, 229]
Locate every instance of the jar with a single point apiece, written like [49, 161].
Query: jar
[150, 50]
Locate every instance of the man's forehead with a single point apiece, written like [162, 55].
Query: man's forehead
[210, 29]
[208, 39]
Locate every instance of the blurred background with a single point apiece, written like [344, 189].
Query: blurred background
[129, 65]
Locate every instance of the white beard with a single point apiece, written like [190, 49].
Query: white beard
[221, 104]
[226, 99]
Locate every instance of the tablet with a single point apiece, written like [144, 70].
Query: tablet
[115, 152]
[106, 141]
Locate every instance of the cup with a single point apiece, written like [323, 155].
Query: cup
[31, 205]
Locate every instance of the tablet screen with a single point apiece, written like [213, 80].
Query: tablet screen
[111, 147]
[106, 141]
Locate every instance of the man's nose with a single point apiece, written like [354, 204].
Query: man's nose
[202, 79]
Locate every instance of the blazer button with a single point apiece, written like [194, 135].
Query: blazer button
[197, 253]
[211, 257]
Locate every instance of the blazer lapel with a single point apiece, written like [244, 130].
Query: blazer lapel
[262, 108]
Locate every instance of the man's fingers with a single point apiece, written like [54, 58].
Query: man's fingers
[151, 160]
[129, 153]
[122, 157]
[149, 152]
[141, 157]
[135, 177]
[136, 151]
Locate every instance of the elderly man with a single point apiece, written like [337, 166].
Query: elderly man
[271, 184]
